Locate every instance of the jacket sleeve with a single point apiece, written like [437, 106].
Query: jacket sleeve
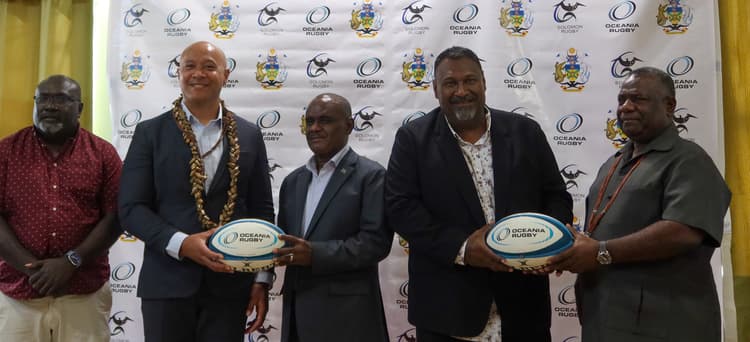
[137, 197]
[405, 209]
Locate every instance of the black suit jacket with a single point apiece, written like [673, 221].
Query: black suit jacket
[432, 202]
[349, 237]
[155, 202]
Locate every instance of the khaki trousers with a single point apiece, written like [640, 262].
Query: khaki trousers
[79, 318]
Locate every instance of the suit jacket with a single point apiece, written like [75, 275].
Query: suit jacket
[348, 237]
[155, 202]
[432, 202]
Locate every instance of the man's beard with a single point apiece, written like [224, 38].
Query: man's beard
[465, 114]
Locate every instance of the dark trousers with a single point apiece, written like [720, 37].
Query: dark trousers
[507, 336]
[293, 335]
[429, 336]
[201, 318]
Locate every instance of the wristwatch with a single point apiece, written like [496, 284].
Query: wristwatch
[74, 258]
[603, 257]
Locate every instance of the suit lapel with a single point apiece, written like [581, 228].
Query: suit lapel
[502, 158]
[343, 171]
[302, 183]
[457, 168]
[221, 169]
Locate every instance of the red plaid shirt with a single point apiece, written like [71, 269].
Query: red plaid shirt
[52, 204]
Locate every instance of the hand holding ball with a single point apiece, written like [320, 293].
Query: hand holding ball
[247, 244]
[527, 240]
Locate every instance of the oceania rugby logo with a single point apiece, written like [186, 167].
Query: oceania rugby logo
[519, 67]
[268, 119]
[230, 238]
[123, 271]
[569, 123]
[680, 66]
[318, 15]
[622, 10]
[369, 66]
[178, 16]
[465, 13]
[131, 118]
[567, 296]
[403, 290]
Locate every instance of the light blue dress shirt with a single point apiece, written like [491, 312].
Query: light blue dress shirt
[318, 184]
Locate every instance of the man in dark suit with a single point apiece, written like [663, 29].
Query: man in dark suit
[188, 171]
[332, 209]
[452, 173]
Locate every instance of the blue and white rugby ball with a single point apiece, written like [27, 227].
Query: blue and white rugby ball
[527, 240]
[247, 244]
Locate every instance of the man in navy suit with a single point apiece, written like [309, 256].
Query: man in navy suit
[187, 172]
[332, 209]
[452, 173]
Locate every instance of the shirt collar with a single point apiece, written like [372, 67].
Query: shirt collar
[68, 142]
[193, 120]
[662, 142]
[335, 160]
[484, 136]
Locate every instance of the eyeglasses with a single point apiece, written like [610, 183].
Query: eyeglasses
[56, 99]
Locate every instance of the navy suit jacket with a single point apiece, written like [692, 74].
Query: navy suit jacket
[155, 202]
[432, 202]
[348, 237]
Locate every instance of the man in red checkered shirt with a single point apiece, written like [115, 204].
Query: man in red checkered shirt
[58, 200]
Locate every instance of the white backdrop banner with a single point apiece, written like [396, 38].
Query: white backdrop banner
[559, 62]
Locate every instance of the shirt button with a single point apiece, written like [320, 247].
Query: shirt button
[54, 187]
[54, 164]
[54, 234]
[54, 208]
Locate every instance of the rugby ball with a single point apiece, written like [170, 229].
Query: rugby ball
[527, 240]
[247, 244]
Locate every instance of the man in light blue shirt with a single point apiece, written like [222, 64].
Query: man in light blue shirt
[332, 210]
[187, 172]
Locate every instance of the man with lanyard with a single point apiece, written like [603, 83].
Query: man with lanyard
[654, 217]
[58, 202]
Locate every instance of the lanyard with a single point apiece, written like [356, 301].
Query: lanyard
[596, 216]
